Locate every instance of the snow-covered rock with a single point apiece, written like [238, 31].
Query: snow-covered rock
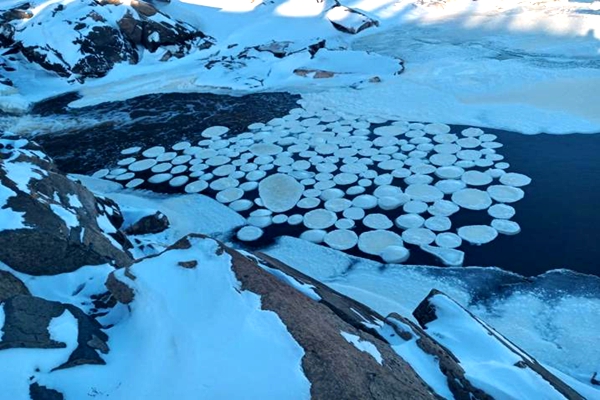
[490, 361]
[48, 223]
[349, 20]
[86, 38]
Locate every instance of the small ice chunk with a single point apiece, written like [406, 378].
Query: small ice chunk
[391, 130]
[341, 239]
[505, 194]
[514, 179]
[436, 129]
[134, 183]
[472, 132]
[279, 219]
[280, 192]
[448, 186]
[354, 213]
[181, 146]
[100, 173]
[506, 227]
[374, 242]
[345, 178]
[180, 169]
[214, 132]
[448, 240]
[333, 193]
[142, 165]
[308, 203]
[409, 221]
[365, 201]
[153, 152]
[426, 193]
[124, 177]
[249, 233]
[319, 219]
[472, 199]
[131, 150]
[415, 207]
[159, 178]
[501, 211]
[418, 236]
[196, 187]
[295, 219]
[391, 203]
[126, 161]
[163, 167]
[313, 235]
[338, 204]
[344, 223]
[477, 234]
[395, 254]
[450, 257]
[443, 160]
[261, 221]
[377, 221]
[476, 178]
[265, 149]
[469, 155]
[224, 183]
[443, 208]
[229, 195]
[179, 181]
[438, 223]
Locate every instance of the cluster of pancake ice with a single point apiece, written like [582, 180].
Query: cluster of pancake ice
[378, 186]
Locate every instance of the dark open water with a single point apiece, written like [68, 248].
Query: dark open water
[559, 216]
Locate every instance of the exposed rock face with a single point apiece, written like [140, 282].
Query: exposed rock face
[335, 367]
[26, 326]
[362, 317]
[153, 34]
[94, 35]
[11, 286]
[448, 321]
[52, 224]
[38, 392]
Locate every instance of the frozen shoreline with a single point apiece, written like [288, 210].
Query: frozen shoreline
[529, 68]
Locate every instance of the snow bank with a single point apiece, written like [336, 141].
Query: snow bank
[195, 320]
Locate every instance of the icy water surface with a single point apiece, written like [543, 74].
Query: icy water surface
[558, 216]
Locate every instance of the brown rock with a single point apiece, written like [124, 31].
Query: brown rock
[10, 286]
[121, 291]
[49, 246]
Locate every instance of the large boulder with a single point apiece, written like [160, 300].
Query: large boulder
[50, 224]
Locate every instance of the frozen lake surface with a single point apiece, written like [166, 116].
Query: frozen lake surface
[558, 215]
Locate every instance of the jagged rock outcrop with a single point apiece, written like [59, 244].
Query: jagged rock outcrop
[86, 38]
[26, 322]
[50, 224]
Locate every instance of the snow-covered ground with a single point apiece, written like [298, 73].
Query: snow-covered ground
[553, 317]
[517, 65]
